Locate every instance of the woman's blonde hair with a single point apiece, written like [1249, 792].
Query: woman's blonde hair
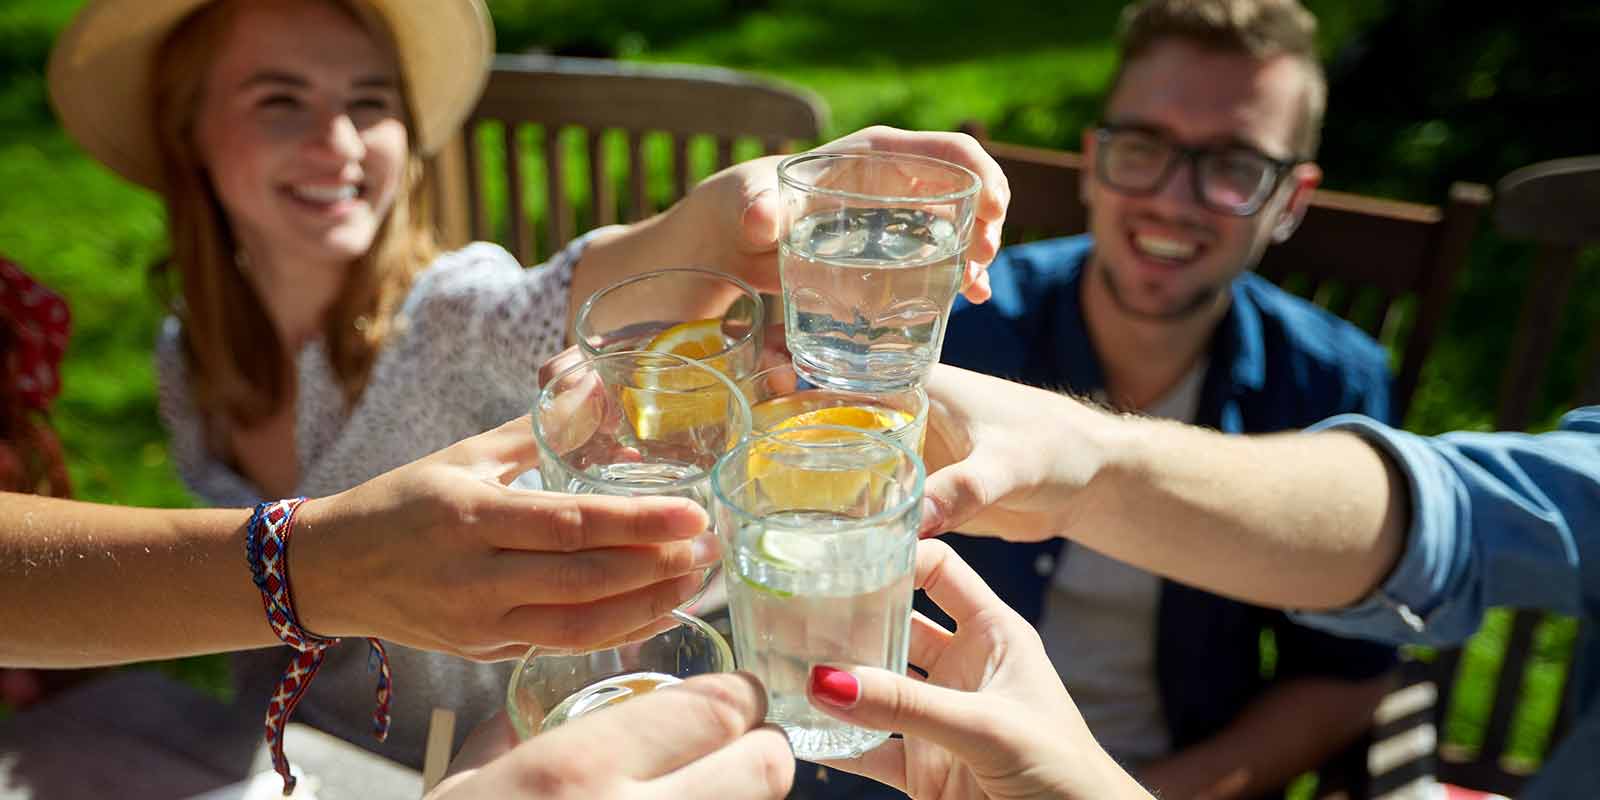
[237, 366]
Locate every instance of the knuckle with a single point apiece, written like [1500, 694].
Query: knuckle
[720, 707]
[566, 526]
[904, 703]
[775, 762]
[551, 777]
[673, 560]
[578, 577]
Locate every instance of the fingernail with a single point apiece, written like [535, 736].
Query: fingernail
[706, 549]
[835, 687]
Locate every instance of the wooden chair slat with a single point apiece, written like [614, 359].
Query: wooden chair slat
[638, 169]
[521, 245]
[558, 209]
[474, 180]
[600, 189]
[681, 166]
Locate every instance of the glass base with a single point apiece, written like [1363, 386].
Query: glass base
[815, 736]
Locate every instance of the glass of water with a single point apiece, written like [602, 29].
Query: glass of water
[819, 530]
[637, 423]
[551, 686]
[780, 398]
[871, 253]
[708, 316]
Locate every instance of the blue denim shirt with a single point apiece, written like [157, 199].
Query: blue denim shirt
[1497, 519]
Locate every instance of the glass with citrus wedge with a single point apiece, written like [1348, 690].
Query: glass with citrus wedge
[780, 398]
[706, 316]
[818, 527]
[637, 423]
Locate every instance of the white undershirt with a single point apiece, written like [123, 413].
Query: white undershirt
[1099, 627]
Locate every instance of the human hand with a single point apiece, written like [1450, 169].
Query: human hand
[744, 197]
[1006, 459]
[441, 555]
[991, 720]
[703, 738]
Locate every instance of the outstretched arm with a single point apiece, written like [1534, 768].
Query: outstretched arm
[438, 554]
[1408, 538]
[1307, 521]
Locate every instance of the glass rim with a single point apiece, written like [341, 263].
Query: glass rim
[913, 498]
[684, 618]
[757, 324]
[545, 450]
[915, 390]
[786, 179]
[719, 644]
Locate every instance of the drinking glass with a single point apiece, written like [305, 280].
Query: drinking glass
[707, 316]
[871, 252]
[637, 423]
[780, 398]
[819, 529]
[551, 686]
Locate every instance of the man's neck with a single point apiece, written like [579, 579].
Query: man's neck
[1141, 358]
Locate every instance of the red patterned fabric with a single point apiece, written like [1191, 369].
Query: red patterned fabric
[267, 549]
[36, 322]
[34, 325]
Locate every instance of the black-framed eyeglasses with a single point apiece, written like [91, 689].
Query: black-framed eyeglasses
[1228, 179]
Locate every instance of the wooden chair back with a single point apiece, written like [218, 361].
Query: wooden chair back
[1555, 204]
[1552, 204]
[1387, 266]
[514, 164]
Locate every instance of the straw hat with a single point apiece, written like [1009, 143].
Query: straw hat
[100, 72]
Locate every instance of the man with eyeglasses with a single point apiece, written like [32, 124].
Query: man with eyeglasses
[1203, 160]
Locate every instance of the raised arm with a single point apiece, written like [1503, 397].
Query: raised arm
[729, 222]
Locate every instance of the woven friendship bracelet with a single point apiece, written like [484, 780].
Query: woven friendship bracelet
[266, 544]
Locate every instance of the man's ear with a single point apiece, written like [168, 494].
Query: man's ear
[1303, 180]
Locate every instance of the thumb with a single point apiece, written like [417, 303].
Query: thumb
[758, 224]
[881, 700]
[500, 454]
[955, 494]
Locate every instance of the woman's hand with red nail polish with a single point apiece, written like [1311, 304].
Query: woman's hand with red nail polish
[992, 720]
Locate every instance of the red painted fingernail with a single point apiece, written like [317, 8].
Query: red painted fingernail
[835, 687]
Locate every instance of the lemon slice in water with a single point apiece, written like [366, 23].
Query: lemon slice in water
[671, 400]
[799, 487]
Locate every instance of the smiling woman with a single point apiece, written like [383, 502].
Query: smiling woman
[317, 338]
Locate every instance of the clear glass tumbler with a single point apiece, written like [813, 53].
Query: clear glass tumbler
[819, 530]
[551, 686]
[700, 314]
[871, 253]
[637, 423]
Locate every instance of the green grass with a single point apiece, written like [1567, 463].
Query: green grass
[1032, 74]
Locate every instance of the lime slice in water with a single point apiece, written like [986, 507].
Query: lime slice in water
[789, 550]
[793, 549]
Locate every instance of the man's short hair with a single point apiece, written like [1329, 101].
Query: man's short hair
[1260, 29]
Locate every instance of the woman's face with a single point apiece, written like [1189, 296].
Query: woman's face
[302, 132]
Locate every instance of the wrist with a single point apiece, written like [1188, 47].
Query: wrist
[1105, 446]
[320, 572]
